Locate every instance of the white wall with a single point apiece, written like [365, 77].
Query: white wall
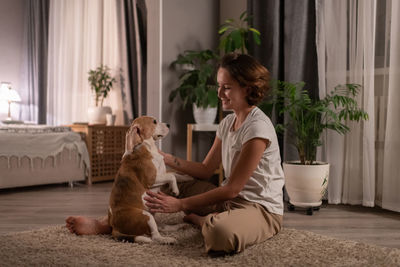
[187, 24]
[173, 27]
[12, 15]
[231, 9]
[154, 54]
[181, 25]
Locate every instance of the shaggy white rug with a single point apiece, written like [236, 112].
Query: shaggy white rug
[55, 246]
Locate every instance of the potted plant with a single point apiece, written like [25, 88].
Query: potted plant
[306, 180]
[197, 86]
[234, 35]
[101, 82]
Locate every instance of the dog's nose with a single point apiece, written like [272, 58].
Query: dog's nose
[168, 125]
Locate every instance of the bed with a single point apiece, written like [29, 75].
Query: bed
[38, 154]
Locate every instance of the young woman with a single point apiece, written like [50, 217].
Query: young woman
[248, 207]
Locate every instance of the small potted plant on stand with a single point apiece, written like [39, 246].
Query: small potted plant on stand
[101, 83]
[197, 86]
[306, 180]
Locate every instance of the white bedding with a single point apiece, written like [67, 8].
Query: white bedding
[45, 152]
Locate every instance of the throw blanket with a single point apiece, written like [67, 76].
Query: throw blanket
[40, 142]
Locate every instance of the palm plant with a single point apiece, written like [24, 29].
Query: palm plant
[308, 118]
[235, 34]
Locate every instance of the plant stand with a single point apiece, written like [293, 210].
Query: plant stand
[309, 210]
[189, 140]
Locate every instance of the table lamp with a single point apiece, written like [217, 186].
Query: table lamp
[10, 95]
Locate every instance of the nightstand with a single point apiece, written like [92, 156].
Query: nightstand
[189, 141]
[106, 145]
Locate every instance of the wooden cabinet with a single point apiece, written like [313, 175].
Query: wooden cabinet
[106, 145]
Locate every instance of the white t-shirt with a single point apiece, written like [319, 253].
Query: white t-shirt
[266, 183]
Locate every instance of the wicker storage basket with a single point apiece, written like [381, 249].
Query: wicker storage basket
[106, 145]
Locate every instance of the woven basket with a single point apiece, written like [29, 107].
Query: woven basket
[106, 145]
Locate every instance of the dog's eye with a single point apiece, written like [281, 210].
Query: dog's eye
[155, 122]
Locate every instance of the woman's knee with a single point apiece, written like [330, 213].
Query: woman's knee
[218, 237]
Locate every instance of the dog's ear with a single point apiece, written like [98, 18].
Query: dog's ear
[132, 138]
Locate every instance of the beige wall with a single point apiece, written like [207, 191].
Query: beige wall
[231, 9]
[12, 15]
[154, 50]
[187, 24]
[181, 25]
[175, 26]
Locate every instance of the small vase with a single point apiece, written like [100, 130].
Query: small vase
[97, 115]
[204, 115]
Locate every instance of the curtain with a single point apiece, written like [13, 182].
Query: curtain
[287, 47]
[355, 40]
[34, 73]
[135, 20]
[84, 34]
[391, 168]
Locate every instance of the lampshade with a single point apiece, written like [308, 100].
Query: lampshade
[9, 94]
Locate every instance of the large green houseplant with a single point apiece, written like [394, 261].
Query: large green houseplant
[307, 120]
[101, 83]
[197, 85]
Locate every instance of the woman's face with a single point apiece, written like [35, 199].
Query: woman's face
[232, 95]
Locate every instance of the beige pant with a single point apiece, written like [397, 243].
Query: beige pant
[237, 224]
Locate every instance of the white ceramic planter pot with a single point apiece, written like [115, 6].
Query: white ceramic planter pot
[204, 115]
[97, 115]
[306, 184]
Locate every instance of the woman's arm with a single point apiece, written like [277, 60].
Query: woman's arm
[248, 160]
[202, 170]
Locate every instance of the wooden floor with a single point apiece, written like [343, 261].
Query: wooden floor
[36, 207]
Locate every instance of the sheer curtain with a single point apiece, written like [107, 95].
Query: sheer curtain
[82, 35]
[391, 167]
[355, 40]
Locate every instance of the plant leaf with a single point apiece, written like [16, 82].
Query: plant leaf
[242, 15]
[237, 39]
[223, 29]
[255, 31]
[256, 38]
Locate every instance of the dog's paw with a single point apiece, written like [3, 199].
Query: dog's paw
[143, 239]
[172, 227]
[165, 240]
[175, 191]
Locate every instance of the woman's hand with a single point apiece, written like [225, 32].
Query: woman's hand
[160, 202]
[168, 158]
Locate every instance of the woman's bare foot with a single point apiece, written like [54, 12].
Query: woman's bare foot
[195, 219]
[87, 226]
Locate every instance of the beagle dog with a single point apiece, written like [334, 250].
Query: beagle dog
[142, 168]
